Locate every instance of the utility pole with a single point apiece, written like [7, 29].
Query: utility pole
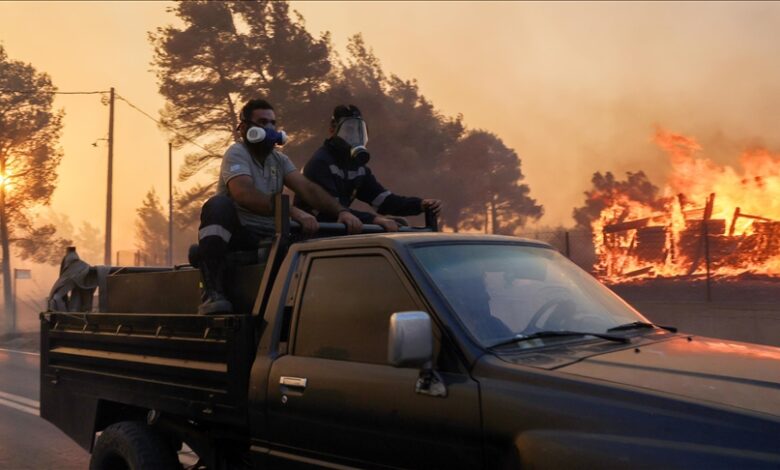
[170, 204]
[109, 186]
[13, 311]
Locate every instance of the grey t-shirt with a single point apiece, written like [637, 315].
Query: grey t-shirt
[267, 177]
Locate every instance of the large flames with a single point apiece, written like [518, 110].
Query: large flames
[738, 208]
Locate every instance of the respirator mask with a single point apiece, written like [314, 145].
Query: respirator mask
[262, 137]
[354, 132]
[265, 135]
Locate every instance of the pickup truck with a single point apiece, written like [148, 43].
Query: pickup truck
[408, 350]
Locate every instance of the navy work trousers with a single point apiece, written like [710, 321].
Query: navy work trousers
[221, 232]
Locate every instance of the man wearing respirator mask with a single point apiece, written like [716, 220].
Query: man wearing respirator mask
[240, 216]
[339, 166]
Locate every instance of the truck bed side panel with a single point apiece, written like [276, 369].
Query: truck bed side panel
[188, 365]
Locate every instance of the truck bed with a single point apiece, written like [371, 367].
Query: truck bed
[189, 365]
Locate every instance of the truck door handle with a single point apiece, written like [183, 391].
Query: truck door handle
[293, 382]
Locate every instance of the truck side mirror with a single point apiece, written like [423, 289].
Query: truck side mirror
[410, 339]
[410, 344]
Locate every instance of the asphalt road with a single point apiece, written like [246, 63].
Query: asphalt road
[26, 440]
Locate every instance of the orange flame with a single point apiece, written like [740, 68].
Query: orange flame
[738, 208]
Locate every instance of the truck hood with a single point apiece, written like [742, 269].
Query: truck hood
[720, 371]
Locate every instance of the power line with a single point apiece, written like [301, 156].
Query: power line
[184, 137]
[163, 125]
[35, 92]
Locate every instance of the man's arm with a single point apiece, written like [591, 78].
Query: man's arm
[384, 201]
[243, 191]
[312, 194]
[318, 172]
[319, 199]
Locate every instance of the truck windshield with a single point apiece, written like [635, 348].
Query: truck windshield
[501, 291]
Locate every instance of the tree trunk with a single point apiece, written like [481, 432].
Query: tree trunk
[487, 219]
[494, 214]
[6, 252]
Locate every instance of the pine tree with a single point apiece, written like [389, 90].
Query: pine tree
[487, 192]
[29, 156]
[226, 54]
[151, 231]
[636, 187]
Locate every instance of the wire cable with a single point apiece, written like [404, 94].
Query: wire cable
[117, 95]
[33, 92]
[159, 123]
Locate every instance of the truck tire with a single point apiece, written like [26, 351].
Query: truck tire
[133, 445]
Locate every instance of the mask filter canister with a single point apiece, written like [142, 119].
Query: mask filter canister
[257, 134]
[360, 153]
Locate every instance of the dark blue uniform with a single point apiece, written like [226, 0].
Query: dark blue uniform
[347, 179]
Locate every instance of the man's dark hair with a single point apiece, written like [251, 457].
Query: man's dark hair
[341, 111]
[251, 105]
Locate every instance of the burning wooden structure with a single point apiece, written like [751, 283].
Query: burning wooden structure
[723, 221]
[688, 243]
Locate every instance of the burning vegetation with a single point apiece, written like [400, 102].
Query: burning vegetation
[710, 219]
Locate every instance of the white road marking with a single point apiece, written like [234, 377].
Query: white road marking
[20, 400]
[186, 456]
[17, 406]
[20, 352]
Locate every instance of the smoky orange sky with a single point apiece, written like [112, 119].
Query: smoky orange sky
[573, 87]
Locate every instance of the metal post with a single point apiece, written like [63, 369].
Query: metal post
[170, 204]
[282, 215]
[13, 314]
[431, 220]
[707, 259]
[109, 185]
[706, 233]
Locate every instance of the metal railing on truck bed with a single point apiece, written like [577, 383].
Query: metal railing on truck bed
[190, 365]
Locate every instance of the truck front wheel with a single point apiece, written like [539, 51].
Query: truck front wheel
[133, 445]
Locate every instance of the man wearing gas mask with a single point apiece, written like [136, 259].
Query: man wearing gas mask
[339, 166]
[240, 216]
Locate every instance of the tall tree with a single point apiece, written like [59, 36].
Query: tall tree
[185, 226]
[29, 156]
[408, 137]
[486, 189]
[605, 188]
[225, 54]
[88, 239]
[151, 231]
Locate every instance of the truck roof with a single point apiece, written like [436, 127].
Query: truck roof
[394, 240]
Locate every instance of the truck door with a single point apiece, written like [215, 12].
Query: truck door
[335, 400]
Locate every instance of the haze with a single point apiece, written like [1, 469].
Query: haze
[573, 87]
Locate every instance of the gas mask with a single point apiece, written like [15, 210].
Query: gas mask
[263, 139]
[354, 132]
[265, 135]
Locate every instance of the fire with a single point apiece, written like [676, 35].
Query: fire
[729, 216]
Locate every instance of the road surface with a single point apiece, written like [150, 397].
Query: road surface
[26, 440]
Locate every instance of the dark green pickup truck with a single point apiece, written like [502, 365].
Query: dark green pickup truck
[409, 350]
